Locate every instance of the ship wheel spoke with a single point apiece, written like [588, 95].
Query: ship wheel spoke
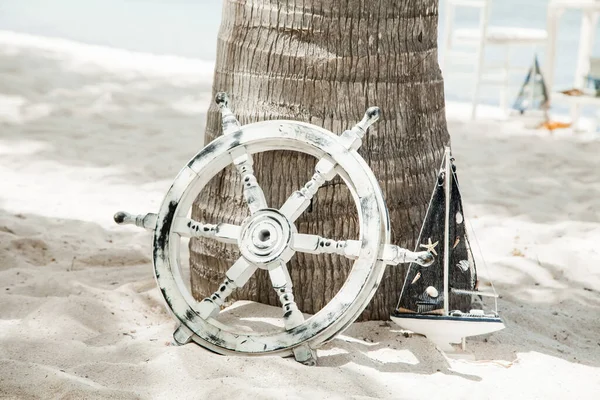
[299, 201]
[254, 195]
[282, 283]
[314, 244]
[226, 233]
[292, 317]
[241, 158]
[235, 277]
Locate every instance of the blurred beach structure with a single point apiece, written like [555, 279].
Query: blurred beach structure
[189, 28]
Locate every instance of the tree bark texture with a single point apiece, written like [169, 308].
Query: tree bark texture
[325, 62]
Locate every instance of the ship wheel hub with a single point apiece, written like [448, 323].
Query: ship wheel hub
[265, 238]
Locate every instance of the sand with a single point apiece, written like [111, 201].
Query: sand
[86, 131]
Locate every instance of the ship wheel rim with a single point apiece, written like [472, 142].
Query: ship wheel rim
[363, 278]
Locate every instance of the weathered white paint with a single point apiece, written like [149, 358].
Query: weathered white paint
[268, 238]
[255, 198]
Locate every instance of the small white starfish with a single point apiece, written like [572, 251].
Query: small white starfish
[430, 246]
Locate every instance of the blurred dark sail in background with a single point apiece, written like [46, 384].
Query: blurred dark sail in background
[534, 93]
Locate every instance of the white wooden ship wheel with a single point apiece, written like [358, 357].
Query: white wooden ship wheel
[267, 239]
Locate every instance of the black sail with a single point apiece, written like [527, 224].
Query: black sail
[423, 290]
[462, 273]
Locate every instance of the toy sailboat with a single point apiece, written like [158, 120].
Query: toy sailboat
[534, 92]
[443, 301]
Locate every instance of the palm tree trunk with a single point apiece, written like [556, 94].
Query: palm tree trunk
[325, 62]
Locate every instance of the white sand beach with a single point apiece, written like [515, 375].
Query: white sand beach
[86, 131]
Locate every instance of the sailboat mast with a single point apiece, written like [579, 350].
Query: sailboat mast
[447, 182]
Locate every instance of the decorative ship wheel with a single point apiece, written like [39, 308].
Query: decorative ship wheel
[267, 239]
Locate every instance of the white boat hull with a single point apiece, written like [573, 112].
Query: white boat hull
[443, 330]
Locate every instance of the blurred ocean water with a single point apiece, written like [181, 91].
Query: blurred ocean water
[179, 27]
[189, 28]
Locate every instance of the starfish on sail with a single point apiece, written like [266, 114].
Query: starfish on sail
[430, 247]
